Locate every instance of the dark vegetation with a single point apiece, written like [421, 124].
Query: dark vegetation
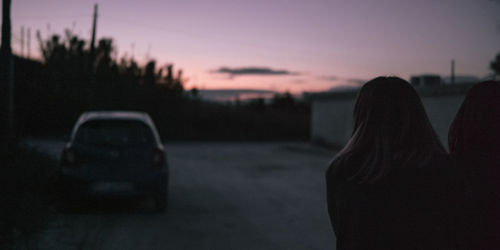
[27, 180]
[51, 94]
[495, 66]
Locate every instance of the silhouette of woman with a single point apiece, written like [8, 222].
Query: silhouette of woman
[474, 141]
[392, 185]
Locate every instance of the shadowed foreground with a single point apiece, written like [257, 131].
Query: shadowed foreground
[222, 196]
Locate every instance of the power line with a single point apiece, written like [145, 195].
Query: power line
[50, 17]
[190, 34]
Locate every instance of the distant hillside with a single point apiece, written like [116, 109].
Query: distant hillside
[223, 95]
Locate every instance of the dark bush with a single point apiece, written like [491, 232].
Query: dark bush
[26, 180]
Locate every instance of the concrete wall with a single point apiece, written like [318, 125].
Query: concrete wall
[332, 121]
[441, 111]
[332, 114]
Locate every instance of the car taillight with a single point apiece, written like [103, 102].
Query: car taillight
[68, 158]
[158, 158]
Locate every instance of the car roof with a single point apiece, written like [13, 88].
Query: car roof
[133, 115]
[116, 115]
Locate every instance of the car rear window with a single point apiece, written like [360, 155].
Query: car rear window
[114, 132]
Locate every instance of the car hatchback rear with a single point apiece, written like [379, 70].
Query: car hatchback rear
[115, 153]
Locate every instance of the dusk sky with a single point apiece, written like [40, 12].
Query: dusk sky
[294, 45]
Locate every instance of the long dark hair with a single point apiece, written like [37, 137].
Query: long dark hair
[391, 130]
[475, 132]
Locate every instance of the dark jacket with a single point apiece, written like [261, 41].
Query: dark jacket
[407, 209]
[482, 218]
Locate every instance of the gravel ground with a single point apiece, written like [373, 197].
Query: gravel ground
[221, 196]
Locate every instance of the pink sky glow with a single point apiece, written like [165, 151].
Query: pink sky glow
[321, 44]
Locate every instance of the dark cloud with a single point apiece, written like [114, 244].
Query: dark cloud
[343, 80]
[329, 78]
[347, 84]
[356, 81]
[222, 95]
[260, 71]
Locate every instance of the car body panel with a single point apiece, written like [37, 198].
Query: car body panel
[110, 160]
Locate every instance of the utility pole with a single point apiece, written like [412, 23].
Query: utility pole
[452, 71]
[92, 66]
[6, 72]
[22, 41]
[29, 42]
[92, 41]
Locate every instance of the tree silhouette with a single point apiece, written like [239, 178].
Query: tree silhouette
[55, 91]
[495, 65]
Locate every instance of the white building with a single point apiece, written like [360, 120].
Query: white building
[332, 112]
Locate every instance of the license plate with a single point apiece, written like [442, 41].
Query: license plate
[110, 187]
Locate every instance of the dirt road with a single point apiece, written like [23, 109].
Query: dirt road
[221, 196]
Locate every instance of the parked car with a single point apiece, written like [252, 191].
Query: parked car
[115, 153]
